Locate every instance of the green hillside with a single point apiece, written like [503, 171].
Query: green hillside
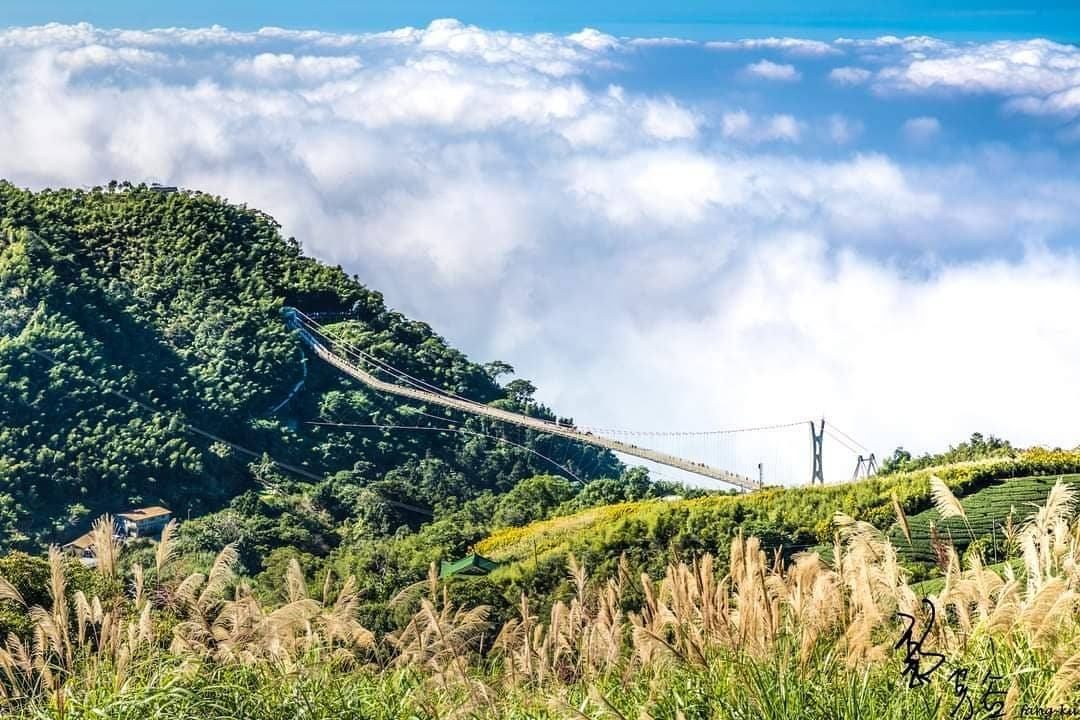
[130, 316]
[789, 518]
[135, 325]
[134, 322]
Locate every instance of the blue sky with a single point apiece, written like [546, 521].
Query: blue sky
[739, 225]
[698, 19]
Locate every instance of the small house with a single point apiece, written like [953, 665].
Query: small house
[469, 565]
[81, 547]
[143, 521]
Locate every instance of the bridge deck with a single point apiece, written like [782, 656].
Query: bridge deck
[318, 341]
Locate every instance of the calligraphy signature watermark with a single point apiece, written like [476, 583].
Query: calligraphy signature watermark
[919, 665]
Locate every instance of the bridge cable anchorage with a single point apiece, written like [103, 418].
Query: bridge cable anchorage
[211, 436]
[296, 388]
[324, 345]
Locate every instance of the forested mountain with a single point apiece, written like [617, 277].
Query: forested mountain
[129, 315]
[144, 359]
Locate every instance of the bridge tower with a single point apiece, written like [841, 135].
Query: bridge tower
[865, 467]
[817, 438]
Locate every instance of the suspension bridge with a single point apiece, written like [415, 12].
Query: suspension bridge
[331, 347]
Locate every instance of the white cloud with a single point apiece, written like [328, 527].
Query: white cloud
[773, 71]
[650, 258]
[921, 129]
[741, 126]
[911, 43]
[671, 188]
[842, 130]
[94, 56]
[792, 46]
[286, 68]
[593, 129]
[668, 121]
[1039, 77]
[849, 75]
[661, 42]
[1065, 103]
[550, 54]
[1005, 67]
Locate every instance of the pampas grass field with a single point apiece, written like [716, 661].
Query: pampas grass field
[747, 637]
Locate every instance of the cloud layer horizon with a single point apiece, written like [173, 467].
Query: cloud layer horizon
[662, 234]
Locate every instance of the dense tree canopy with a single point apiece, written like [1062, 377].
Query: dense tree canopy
[978, 447]
[128, 316]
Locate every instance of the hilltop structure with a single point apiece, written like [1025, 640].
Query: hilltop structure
[144, 521]
[137, 523]
[81, 547]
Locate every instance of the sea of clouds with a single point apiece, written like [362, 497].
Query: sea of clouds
[659, 233]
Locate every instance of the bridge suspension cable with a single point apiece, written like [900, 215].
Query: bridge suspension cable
[354, 362]
[695, 433]
[834, 429]
[841, 440]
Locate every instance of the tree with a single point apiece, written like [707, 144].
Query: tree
[896, 463]
[497, 368]
[533, 499]
[521, 391]
[977, 447]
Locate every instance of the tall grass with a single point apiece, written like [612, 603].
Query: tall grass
[809, 639]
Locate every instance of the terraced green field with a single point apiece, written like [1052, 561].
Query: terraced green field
[987, 511]
[794, 519]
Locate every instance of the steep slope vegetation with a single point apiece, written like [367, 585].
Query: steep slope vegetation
[115, 299]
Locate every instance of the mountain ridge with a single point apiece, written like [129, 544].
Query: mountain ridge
[174, 300]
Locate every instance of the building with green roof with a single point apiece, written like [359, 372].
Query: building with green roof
[469, 565]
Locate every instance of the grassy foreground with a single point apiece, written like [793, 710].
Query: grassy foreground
[808, 640]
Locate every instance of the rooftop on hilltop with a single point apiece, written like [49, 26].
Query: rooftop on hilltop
[81, 543]
[145, 513]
